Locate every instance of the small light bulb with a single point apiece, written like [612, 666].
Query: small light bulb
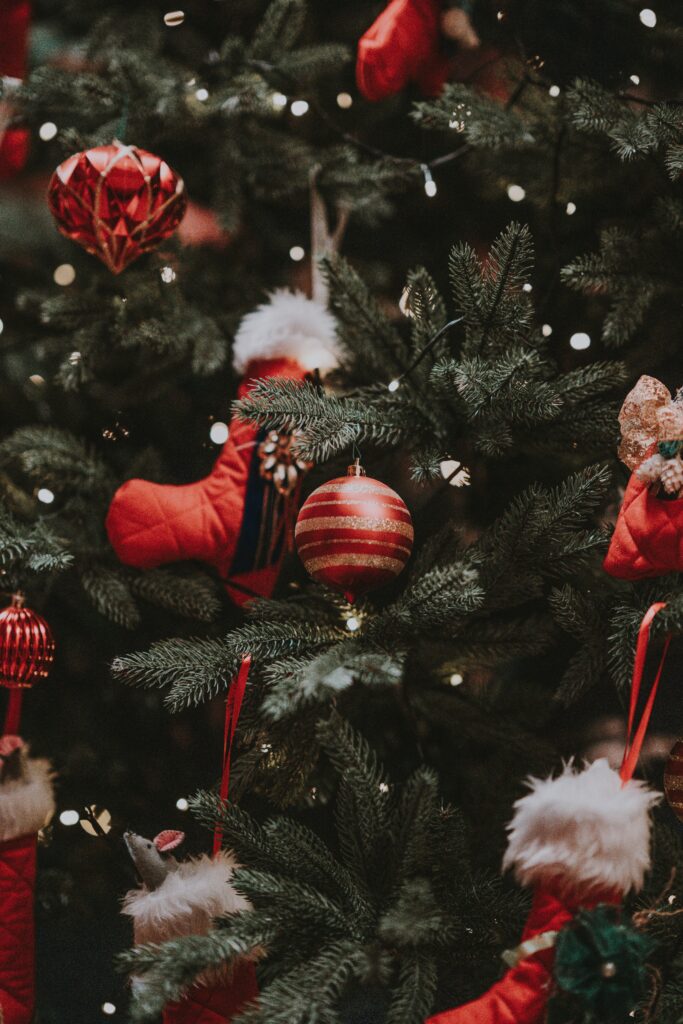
[108, 1008]
[546, 330]
[393, 385]
[344, 100]
[37, 380]
[47, 131]
[430, 188]
[570, 209]
[352, 624]
[580, 341]
[173, 18]
[219, 432]
[297, 253]
[635, 79]
[69, 817]
[299, 108]
[455, 473]
[182, 804]
[64, 275]
[168, 274]
[671, 899]
[383, 787]
[2, 326]
[456, 679]
[648, 18]
[516, 193]
[526, 287]
[266, 748]
[554, 91]
[500, 15]
[279, 100]
[202, 95]
[74, 358]
[45, 495]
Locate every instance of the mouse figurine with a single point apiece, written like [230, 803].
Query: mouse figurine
[178, 898]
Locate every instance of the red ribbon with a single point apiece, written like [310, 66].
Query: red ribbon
[634, 741]
[233, 707]
[13, 713]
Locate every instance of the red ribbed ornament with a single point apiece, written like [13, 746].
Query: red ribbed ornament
[117, 201]
[354, 533]
[673, 779]
[27, 648]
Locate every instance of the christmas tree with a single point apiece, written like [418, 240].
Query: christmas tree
[437, 243]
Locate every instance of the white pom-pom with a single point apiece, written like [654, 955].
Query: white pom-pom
[27, 803]
[288, 325]
[650, 470]
[583, 830]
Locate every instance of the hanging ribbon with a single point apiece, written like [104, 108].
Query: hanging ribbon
[634, 741]
[13, 713]
[233, 707]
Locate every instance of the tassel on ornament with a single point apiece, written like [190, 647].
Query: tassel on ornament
[184, 898]
[580, 841]
[240, 517]
[26, 805]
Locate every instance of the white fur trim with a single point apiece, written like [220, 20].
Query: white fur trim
[288, 325]
[26, 804]
[583, 829]
[187, 901]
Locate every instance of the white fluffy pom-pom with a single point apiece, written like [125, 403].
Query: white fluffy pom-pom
[288, 325]
[583, 830]
[187, 901]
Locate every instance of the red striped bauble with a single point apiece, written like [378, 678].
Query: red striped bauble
[27, 648]
[673, 779]
[354, 533]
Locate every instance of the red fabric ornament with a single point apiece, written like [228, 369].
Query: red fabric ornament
[239, 518]
[354, 533]
[673, 779]
[648, 538]
[117, 201]
[14, 23]
[403, 45]
[27, 648]
[215, 1004]
[580, 839]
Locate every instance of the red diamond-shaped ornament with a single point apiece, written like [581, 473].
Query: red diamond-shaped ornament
[117, 201]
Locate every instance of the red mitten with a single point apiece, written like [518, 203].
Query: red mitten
[26, 804]
[14, 22]
[648, 538]
[185, 902]
[578, 840]
[403, 45]
[238, 518]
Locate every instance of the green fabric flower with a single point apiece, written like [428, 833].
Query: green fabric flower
[601, 961]
[668, 449]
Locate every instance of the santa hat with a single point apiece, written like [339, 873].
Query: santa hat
[288, 326]
[584, 828]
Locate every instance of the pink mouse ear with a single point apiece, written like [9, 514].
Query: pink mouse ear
[168, 840]
[8, 744]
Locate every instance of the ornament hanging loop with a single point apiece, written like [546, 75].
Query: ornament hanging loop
[634, 740]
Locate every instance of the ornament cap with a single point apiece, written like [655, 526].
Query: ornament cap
[18, 599]
[356, 469]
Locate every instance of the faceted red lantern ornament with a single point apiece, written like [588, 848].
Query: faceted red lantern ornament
[354, 533]
[27, 648]
[117, 201]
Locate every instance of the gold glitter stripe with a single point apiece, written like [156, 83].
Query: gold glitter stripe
[354, 501]
[349, 540]
[353, 523]
[367, 561]
[673, 781]
[359, 485]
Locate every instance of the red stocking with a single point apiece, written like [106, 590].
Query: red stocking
[14, 20]
[236, 519]
[26, 803]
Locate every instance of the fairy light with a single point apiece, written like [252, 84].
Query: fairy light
[202, 95]
[279, 100]
[527, 287]
[266, 748]
[635, 79]
[554, 91]
[546, 330]
[174, 18]
[299, 108]
[64, 275]
[580, 341]
[74, 358]
[182, 804]
[570, 209]
[352, 624]
[69, 817]
[219, 432]
[384, 787]
[109, 1009]
[456, 679]
[297, 253]
[168, 275]
[344, 100]
[648, 18]
[45, 495]
[455, 473]
[393, 385]
[430, 184]
[2, 326]
[37, 380]
[47, 131]
[516, 193]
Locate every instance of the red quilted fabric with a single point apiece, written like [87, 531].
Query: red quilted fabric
[403, 45]
[17, 885]
[153, 524]
[648, 538]
[207, 1004]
